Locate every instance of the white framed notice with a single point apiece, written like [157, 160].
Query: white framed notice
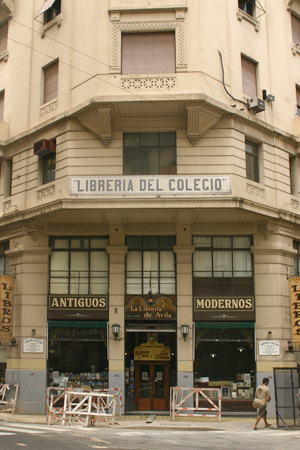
[33, 345]
[269, 348]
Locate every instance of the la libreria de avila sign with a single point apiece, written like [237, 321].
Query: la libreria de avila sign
[151, 185]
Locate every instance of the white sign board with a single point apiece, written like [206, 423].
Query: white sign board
[269, 348]
[33, 345]
[151, 185]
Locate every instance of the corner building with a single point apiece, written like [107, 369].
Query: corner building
[150, 216]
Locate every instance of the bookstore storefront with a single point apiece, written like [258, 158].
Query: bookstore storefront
[224, 316]
[78, 313]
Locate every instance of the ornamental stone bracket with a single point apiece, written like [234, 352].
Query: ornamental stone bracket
[6, 7]
[200, 118]
[98, 121]
[266, 229]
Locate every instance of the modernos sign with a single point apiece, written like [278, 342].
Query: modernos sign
[151, 185]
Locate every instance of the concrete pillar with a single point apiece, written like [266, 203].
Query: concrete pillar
[185, 349]
[116, 347]
[273, 254]
[29, 256]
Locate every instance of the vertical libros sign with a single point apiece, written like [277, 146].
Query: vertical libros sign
[295, 309]
[7, 306]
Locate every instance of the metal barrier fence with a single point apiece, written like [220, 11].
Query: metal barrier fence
[287, 397]
[195, 402]
[67, 406]
[8, 397]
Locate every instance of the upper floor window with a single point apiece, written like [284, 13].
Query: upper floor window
[4, 263]
[148, 53]
[249, 77]
[150, 265]
[298, 100]
[222, 265]
[295, 30]
[48, 168]
[149, 154]
[79, 265]
[1, 105]
[3, 36]
[252, 163]
[297, 258]
[50, 9]
[50, 82]
[247, 6]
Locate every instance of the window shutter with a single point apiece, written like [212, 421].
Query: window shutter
[48, 4]
[249, 77]
[3, 37]
[148, 53]
[1, 105]
[296, 30]
[298, 96]
[51, 82]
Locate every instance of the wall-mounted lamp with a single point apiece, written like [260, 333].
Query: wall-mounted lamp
[33, 331]
[268, 97]
[291, 347]
[269, 335]
[9, 343]
[185, 330]
[115, 328]
[241, 349]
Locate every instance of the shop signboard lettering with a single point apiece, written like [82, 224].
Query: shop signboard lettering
[295, 310]
[155, 308]
[7, 306]
[151, 185]
[78, 307]
[152, 351]
[224, 308]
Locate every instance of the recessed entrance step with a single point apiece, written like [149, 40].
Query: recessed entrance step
[150, 418]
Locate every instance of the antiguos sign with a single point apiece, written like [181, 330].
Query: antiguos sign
[78, 307]
[151, 185]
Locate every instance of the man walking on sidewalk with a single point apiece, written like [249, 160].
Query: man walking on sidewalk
[263, 393]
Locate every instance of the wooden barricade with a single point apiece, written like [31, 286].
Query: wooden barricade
[8, 400]
[67, 406]
[188, 402]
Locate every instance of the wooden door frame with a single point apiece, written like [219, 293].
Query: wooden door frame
[154, 404]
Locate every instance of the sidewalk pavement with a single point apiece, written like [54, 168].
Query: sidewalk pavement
[241, 424]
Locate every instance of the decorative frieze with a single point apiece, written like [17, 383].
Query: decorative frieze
[8, 207]
[216, 227]
[48, 108]
[294, 204]
[255, 190]
[148, 83]
[46, 192]
[78, 227]
[150, 226]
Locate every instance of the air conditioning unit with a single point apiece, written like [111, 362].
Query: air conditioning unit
[256, 104]
[44, 147]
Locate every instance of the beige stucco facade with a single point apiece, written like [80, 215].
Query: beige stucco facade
[96, 104]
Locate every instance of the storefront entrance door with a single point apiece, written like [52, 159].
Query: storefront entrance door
[151, 386]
